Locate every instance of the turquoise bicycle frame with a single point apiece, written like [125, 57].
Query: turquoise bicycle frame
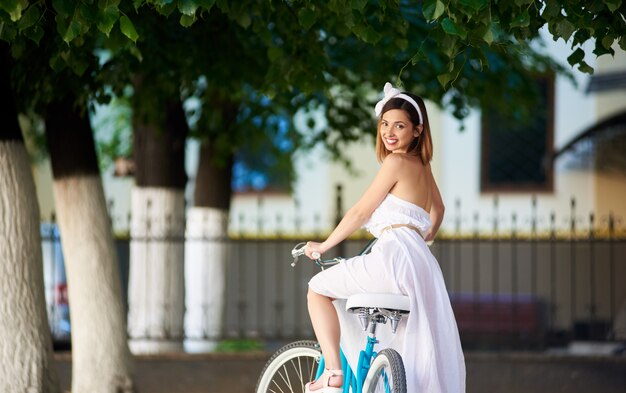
[349, 379]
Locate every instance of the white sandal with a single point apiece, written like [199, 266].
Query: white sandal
[325, 388]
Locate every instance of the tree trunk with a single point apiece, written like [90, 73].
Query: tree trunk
[101, 360]
[207, 252]
[25, 343]
[156, 281]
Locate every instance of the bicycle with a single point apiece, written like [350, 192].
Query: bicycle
[297, 363]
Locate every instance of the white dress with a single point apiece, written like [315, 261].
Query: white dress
[400, 262]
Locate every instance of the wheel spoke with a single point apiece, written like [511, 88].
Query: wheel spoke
[287, 370]
[280, 374]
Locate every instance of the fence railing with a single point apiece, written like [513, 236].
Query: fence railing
[506, 291]
[526, 281]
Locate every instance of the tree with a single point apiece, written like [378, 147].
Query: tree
[60, 93]
[25, 331]
[101, 360]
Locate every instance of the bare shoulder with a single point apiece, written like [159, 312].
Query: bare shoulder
[399, 161]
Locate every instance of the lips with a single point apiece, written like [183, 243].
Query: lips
[390, 141]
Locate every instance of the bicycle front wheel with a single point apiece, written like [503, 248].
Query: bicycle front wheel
[386, 374]
[290, 368]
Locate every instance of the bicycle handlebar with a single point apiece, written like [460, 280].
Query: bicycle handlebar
[299, 250]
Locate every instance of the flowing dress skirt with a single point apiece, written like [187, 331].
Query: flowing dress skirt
[427, 339]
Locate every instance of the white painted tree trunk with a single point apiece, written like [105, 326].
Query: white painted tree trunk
[101, 361]
[156, 289]
[206, 253]
[26, 362]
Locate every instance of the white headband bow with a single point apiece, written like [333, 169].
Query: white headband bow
[392, 92]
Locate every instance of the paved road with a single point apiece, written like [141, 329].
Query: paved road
[486, 373]
[182, 373]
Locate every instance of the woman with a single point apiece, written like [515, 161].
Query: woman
[403, 209]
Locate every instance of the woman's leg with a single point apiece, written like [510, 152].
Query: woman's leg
[326, 327]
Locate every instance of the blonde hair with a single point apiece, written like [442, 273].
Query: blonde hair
[422, 145]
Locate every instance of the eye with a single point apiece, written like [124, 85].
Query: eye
[400, 126]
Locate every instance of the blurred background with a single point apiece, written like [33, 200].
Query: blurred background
[180, 149]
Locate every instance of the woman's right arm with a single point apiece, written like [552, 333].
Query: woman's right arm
[437, 208]
[358, 214]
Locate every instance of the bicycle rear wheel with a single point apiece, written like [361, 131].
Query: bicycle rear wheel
[386, 374]
[290, 368]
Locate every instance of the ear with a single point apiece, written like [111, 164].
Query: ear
[417, 130]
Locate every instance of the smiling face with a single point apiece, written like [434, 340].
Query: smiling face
[397, 131]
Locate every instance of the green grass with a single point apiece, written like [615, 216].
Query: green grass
[240, 345]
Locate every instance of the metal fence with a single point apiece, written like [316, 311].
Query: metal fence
[541, 288]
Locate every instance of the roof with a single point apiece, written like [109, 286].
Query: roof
[607, 137]
[606, 81]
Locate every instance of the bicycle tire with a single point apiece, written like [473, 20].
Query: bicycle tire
[386, 374]
[290, 368]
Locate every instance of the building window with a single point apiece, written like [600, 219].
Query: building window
[515, 153]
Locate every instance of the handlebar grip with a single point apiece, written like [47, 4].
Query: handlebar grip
[316, 255]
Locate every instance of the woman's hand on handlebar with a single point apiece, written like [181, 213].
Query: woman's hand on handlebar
[313, 250]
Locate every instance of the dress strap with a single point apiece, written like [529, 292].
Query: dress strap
[394, 226]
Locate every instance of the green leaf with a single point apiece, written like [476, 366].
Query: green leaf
[29, 18]
[576, 57]
[244, 20]
[206, 4]
[449, 45]
[18, 48]
[274, 53]
[608, 40]
[136, 52]
[35, 33]
[552, 9]
[167, 9]
[564, 29]
[600, 50]
[452, 28]
[13, 8]
[187, 20]
[475, 5]
[433, 9]
[489, 35]
[584, 67]
[73, 31]
[622, 43]
[89, 13]
[7, 32]
[128, 29]
[187, 7]
[358, 4]
[306, 17]
[64, 8]
[78, 65]
[444, 79]
[366, 34]
[223, 5]
[613, 5]
[56, 62]
[401, 43]
[107, 18]
[522, 20]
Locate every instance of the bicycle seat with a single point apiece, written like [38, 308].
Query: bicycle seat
[387, 301]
